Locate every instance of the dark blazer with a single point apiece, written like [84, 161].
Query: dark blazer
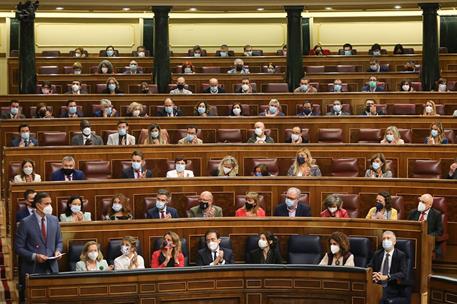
[303, 114]
[65, 114]
[302, 210]
[219, 90]
[205, 258]
[99, 113]
[17, 140]
[163, 113]
[77, 140]
[107, 91]
[7, 115]
[304, 140]
[366, 88]
[453, 176]
[240, 90]
[22, 213]
[365, 113]
[434, 222]
[398, 272]
[59, 176]
[153, 213]
[256, 257]
[29, 241]
[128, 173]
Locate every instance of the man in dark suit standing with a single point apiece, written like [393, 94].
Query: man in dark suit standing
[214, 87]
[38, 240]
[137, 170]
[161, 210]
[425, 212]
[169, 109]
[86, 137]
[29, 196]
[213, 254]
[389, 267]
[291, 207]
[68, 172]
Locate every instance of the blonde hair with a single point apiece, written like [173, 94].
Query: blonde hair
[234, 163]
[83, 257]
[132, 242]
[309, 160]
[177, 241]
[433, 113]
[274, 102]
[441, 134]
[256, 198]
[135, 105]
[395, 132]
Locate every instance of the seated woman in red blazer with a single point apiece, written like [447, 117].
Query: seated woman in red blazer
[169, 254]
[333, 207]
[251, 207]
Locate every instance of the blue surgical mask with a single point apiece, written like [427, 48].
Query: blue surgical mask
[169, 110]
[223, 54]
[272, 109]
[190, 137]
[133, 67]
[109, 111]
[376, 53]
[122, 131]
[375, 165]
[112, 87]
[347, 52]
[72, 109]
[201, 110]
[160, 204]
[434, 133]
[136, 166]
[25, 135]
[387, 244]
[289, 202]
[337, 88]
[258, 174]
[337, 108]
[389, 137]
[304, 87]
[14, 111]
[109, 53]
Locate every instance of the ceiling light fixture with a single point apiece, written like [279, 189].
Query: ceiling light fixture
[59, 8]
[328, 8]
[260, 9]
[192, 9]
[125, 9]
[397, 7]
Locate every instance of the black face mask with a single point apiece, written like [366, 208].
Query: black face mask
[368, 108]
[180, 87]
[68, 171]
[300, 160]
[307, 111]
[239, 67]
[248, 206]
[42, 113]
[204, 205]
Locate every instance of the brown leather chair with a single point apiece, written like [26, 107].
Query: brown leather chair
[346, 68]
[330, 135]
[280, 87]
[381, 108]
[93, 70]
[52, 138]
[304, 134]
[344, 87]
[240, 200]
[406, 135]
[351, 202]
[105, 206]
[190, 52]
[449, 135]
[48, 69]
[100, 87]
[106, 134]
[416, 85]
[439, 203]
[191, 201]
[149, 202]
[315, 69]
[398, 204]
[271, 163]
[425, 168]
[135, 89]
[33, 110]
[370, 135]
[404, 109]
[50, 167]
[50, 53]
[211, 69]
[237, 87]
[96, 169]
[14, 168]
[302, 199]
[212, 168]
[229, 136]
[55, 89]
[347, 167]
[316, 109]
[278, 69]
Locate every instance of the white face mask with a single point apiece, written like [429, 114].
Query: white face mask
[258, 131]
[47, 210]
[245, 87]
[405, 87]
[136, 113]
[155, 134]
[227, 170]
[75, 88]
[334, 248]
[421, 207]
[125, 250]
[237, 111]
[93, 255]
[389, 137]
[87, 131]
[117, 207]
[141, 54]
[295, 137]
[213, 246]
[442, 88]
[332, 209]
[387, 244]
[77, 72]
[28, 170]
[180, 168]
[75, 208]
[262, 244]
[429, 109]
[104, 70]
[188, 71]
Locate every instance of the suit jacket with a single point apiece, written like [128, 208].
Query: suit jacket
[78, 140]
[434, 222]
[7, 115]
[163, 113]
[366, 88]
[453, 176]
[22, 213]
[59, 176]
[196, 211]
[128, 173]
[219, 90]
[256, 257]
[205, 257]
[398, 271]
[113, 139]
[332, 113]
[302, 210]
[29, 241]
[65, 114]
[153, 213]
[17, 140]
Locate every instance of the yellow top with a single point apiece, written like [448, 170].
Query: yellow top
[393, 214]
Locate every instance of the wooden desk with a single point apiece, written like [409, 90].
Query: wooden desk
[226, 284]
[442, 289]
[289, 101]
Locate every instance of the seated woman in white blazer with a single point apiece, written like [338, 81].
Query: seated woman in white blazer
[180, 169]
[122, 137]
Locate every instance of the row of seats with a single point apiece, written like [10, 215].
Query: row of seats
[339, 167]
[247, 109]
[349, 68]
[324, 135]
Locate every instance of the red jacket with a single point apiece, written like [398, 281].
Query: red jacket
[341, 213]
[155, 260]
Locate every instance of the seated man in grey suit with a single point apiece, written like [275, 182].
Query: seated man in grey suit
[86, 137]
[205, 207]
[38, 240]
[213, 254]
[122, 137]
